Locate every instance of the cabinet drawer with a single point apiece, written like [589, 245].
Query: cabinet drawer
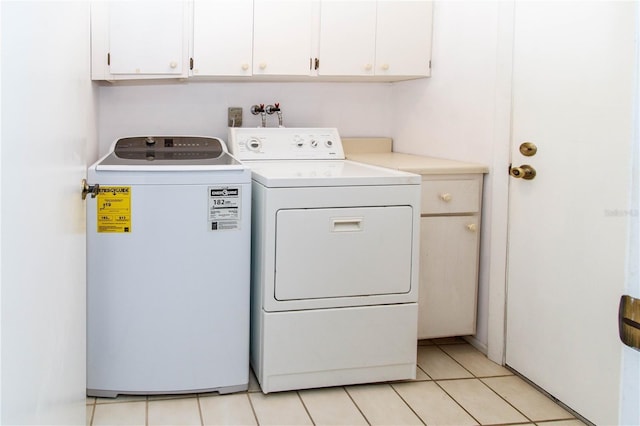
[450, 196]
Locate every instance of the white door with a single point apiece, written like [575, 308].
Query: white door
[48, 131]
[568, 228]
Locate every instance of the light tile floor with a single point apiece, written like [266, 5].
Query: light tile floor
[455, 385]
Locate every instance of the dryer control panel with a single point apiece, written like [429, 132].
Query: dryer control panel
[285, 143]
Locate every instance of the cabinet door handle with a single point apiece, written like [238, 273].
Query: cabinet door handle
[446, 197]
[173, 64]
[263, 65]
[368, 67]
[385, 67]
[472, 227]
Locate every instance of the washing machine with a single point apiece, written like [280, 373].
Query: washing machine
[168, 268]
[334, 285]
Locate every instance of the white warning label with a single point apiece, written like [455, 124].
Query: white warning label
[225, 204]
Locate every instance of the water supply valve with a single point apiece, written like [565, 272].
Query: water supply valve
[275, 108]
[259, 109]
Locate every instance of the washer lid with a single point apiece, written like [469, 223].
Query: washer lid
[169, 153]
[313, 173]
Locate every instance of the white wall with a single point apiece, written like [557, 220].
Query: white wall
[458, 112]
[48, 133]
[200, 107]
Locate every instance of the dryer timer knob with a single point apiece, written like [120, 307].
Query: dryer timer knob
[254, 144]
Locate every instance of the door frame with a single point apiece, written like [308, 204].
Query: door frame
[499, 205]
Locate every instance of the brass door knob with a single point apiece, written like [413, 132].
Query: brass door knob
[528, 149]
[525, 172]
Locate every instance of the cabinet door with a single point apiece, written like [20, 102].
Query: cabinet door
[147, 38]
[222, 37]
[403, 38]
[448, 276]
[282, 37]
[347, 37]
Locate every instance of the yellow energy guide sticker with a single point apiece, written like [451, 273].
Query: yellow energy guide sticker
[114, 209]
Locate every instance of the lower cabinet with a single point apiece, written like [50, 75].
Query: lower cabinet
[449, 255]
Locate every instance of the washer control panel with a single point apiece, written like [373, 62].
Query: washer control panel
[285, 143]
[174, 148]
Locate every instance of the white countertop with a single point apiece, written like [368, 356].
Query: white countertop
[377, 151]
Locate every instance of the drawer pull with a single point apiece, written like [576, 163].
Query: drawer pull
[446, 197]
[472, 227]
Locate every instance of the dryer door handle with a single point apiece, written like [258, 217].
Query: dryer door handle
[351, 224]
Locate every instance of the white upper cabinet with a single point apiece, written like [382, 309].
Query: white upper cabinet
[347, 38]
[382, 38]
[140, 39]
[378, 40]
[403, 38]
[282, 34]
[222, 38]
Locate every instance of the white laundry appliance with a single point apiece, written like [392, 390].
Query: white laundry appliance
[334, 281]
[168, 261]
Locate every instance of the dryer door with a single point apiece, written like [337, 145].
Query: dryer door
[343, 252]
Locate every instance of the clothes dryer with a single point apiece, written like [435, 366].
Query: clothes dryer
[334, 262]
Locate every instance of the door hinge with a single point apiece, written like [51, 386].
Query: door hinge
[191, 64]
[317, 63]
[108, 58]
[629, 321]
[87, 189]
[429, 64]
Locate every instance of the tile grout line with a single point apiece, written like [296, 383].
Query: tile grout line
[455, 360]
[480, 380]
[305, 408]
[425, 373]
[505, 400]
[200, 409]
[456, 401]
[576, 415]
[408, 405]
[253, 410]
[356, 404]
[146, 411]
[93, 412]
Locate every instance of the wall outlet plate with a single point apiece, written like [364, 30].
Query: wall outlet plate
[234, 117]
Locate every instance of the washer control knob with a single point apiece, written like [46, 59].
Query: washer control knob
[329, 143]
[314, 143]
[299, 144]
[150, 141]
